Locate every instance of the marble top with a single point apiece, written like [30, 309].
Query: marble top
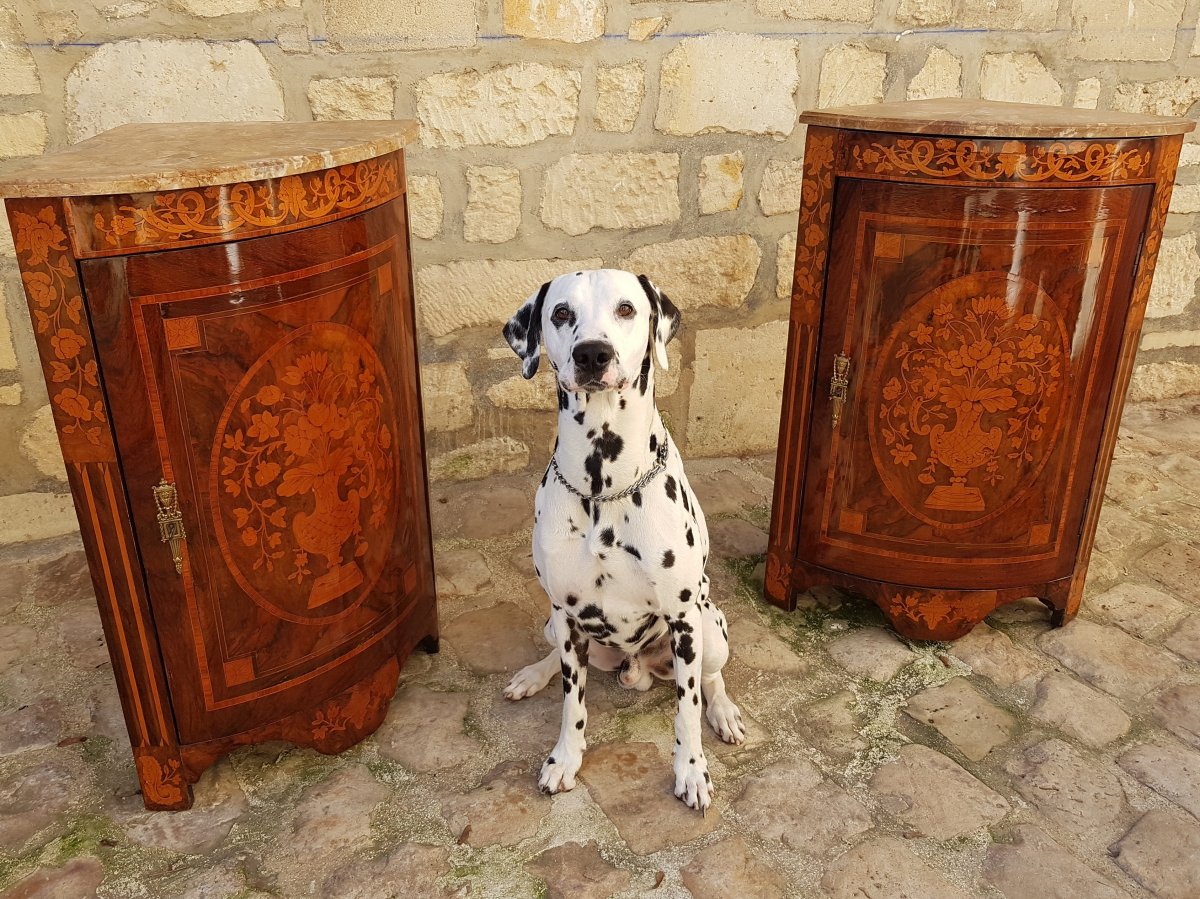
[151, 157]
[991, 118]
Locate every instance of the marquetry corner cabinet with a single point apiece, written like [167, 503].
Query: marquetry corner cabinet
[969, 287]
[225, 320]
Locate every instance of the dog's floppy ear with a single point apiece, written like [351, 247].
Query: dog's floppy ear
[524, 332]
[664, 320]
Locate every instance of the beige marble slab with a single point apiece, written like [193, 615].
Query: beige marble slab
[990, 118]
[151, 157]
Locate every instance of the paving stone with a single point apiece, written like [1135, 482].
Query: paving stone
[1185, 639]
[480, 514]
[522, 560]
[635, 787]
[759, 648]
[461, 572]
[723, 492]
[423, 730]
[964, 716]
[533, 723]
[1137, 608]
[831, 724]
[1110, 659]
[34, 726]
[410, 870]
[1118, 531]
[1174, 564]
[202, 828]
[77, 879]
[498, 638]
[934, 795]
[81, 631]
[1067, 788]
[334, 816]
[733, 538]
[30, 800]
[1034, 865]
[1162, 853]
[870, 652]
[503, 810]
[991, 654]
[1079, 711]
[1168, 769]
[63, 581]
[792, 804]
[729, 869]
[1178, 710]
[17, 643]
[577, 871]
[884, 868]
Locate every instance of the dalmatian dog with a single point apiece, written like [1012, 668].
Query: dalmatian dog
[619, 541]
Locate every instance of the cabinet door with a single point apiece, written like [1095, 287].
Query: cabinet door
[273, 381]
[982, 327]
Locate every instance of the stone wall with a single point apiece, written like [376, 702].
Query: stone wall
[558, 134]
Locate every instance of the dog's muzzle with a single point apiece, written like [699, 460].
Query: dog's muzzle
[592, 358]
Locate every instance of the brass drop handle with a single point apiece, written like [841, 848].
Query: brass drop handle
[170, 520]
[839, 384]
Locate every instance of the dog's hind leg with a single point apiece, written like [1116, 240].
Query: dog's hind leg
[533, 678]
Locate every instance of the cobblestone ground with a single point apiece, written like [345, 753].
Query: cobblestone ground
[1019, 761]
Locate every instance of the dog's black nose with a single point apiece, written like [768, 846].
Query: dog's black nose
[592, 356]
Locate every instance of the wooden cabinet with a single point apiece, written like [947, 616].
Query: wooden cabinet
[233, 373]
[969, 289]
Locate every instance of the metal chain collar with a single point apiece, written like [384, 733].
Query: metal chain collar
[660, 463]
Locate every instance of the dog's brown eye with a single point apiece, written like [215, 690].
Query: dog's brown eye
[626, 310]
[561, 314]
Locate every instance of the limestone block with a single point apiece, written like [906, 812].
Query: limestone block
[127, 9]
[644, 29]
[484, 291]
[10, 395]
[495, 455]
[1171, 96]
[1185, 199]
[493, 211]
[358, 25]
[8, 356]
[1087, 93]
[700, 271]
[780, 189]
[36, 516]
[721, 186]
[573, 21]
[23, 134]
[211, 9]
[851, 74]
[1160, 340]
[619, 94]
[737, 388]
[1164, 381]
[1018, 78]
[838, 11]
[426, 207]
[611, 190]
[446, 395]
[351, 99]
[924, 12]
[741, 83]
[1031, 15]
[1175, 274]
[941, 76]
[18, 71]
[785, 265]
[39, 444]
[170, 81]
[517, 393]
[59, 26]
[508, 106]
[1124, 29]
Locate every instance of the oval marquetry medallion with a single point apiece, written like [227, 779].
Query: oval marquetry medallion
[303, 475]
[966, 399]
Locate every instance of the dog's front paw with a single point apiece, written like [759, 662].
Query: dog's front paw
[726, 719]
[692, 782]
[558, 771]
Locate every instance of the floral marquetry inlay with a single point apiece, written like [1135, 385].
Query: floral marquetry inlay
[947, 158]
[234, 209]
[304, 474]
[967, 396]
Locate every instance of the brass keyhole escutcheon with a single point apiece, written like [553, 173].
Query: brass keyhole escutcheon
[170, 520]
[839, 385]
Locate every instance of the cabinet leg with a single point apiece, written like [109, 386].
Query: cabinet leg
[161, 775]
[429, 644]
[1062, 600]
[777, 585]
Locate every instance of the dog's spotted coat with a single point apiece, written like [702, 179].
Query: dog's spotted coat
[625, 577]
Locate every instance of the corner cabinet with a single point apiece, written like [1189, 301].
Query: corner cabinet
[970, 283]
[232, 367]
